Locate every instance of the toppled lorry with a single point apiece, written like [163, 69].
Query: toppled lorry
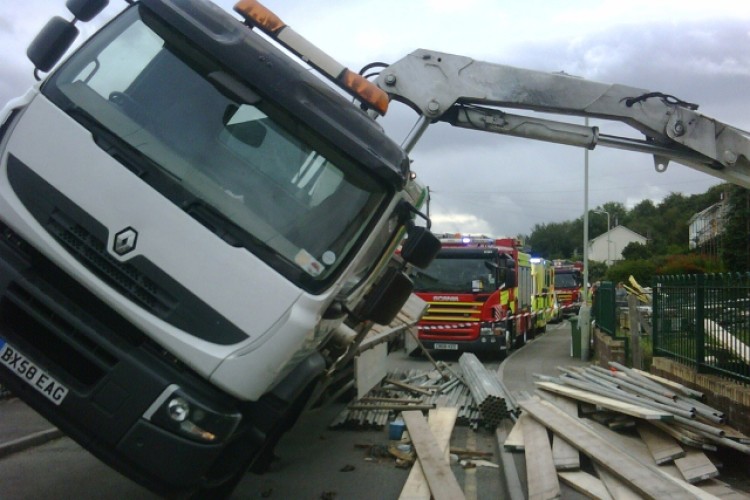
[197, 231]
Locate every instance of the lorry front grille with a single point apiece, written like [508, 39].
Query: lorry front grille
[124, 277]
[139, 279]
[33, 327]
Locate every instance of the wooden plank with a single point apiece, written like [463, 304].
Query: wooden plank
[514, 441]
[648, 482]
[586, 484]
[639, 451]
[541, 476]
[663, 447]
[565, 456]
[615, 486]
[722, 490]
[370, 367]
[512, 479]
[442, 482]
[683, 435]
[695, 466]
[441, 422]
[605, 402]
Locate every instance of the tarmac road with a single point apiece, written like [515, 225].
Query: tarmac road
[313, 461]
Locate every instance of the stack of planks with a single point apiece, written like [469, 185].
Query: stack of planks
[658, 449]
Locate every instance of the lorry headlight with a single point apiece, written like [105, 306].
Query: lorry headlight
[177, 412]
[178, 409]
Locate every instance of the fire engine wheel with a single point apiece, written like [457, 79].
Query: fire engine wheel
[508, 345]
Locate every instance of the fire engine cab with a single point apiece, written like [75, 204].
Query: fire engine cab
[479, 291]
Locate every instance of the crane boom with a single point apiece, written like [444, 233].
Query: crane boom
[466, 93]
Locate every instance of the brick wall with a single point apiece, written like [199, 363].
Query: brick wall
[730, 397]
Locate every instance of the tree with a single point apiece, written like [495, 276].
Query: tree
[735, 252]
[636, 251]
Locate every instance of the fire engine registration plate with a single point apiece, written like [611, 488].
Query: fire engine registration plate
[447, 347]
[31, 373]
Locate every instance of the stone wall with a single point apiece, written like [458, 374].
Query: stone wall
[607, 348]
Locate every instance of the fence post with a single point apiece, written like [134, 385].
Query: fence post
[635, 333]
[700, 337]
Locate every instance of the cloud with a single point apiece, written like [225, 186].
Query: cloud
[500, 185]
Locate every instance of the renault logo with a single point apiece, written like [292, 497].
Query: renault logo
[125, 241]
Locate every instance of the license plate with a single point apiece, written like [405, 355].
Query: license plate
[31, 373]
[447, 347]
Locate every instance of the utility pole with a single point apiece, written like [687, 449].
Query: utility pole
[584, 314]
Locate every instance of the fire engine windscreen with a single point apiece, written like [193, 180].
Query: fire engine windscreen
[459, 274]
[239, 165]
[568, 280]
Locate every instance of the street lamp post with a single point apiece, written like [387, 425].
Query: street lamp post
[608, 240]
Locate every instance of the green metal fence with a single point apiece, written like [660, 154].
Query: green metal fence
[604, 309]
[704, 321]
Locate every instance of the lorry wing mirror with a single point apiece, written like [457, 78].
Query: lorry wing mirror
[387, 297]
[86, 10]
[51, 43]
[420, 247]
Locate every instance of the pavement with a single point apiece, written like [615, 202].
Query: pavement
[542, 355]
[21, 427]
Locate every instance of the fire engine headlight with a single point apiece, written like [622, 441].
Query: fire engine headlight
[486, 330]
[177, 412]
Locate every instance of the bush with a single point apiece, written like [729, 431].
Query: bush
[643, 270]
[690, 264]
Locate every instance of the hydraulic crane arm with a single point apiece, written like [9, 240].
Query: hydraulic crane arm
[460, 90]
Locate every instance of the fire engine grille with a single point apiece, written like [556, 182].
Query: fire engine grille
[453, 311]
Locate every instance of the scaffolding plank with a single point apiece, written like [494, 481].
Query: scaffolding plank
[565, 456]
[586, 484]
[541, 475]
[605, 402]
[441, 422]
[514, 441]
[442, 482]
[695, 466]
[648, 482]
[663, 447]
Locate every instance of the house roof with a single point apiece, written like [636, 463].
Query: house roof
[621, 228]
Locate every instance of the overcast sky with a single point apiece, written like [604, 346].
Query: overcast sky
[698, 51]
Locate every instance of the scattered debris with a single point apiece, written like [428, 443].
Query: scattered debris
[478, 394]
[645, 438]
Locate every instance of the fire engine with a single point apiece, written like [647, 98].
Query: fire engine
[479, 292]
[568, 283]
[544, 306]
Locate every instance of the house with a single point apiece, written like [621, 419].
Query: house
[607, 247]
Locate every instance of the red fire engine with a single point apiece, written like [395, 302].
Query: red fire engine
[568, 283]
[479, 293]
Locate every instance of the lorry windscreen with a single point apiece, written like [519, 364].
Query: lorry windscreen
[238, 164]
[460, 275]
